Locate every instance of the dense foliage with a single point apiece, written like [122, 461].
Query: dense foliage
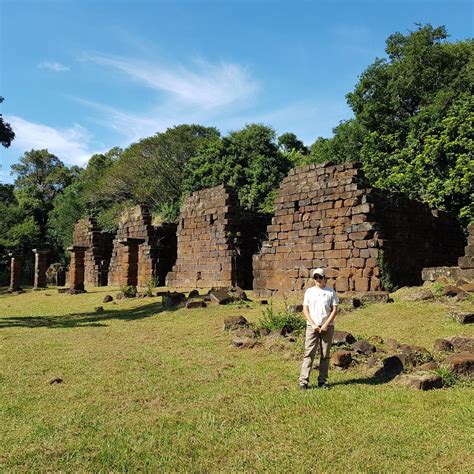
[6, 132]
[413, 121]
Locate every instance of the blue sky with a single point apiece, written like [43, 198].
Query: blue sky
[82, 76]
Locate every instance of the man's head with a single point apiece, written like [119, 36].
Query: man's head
[319, 276]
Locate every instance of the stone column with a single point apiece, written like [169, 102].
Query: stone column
[41, 265]
[130, 267]
[76, 270]
[15, 273]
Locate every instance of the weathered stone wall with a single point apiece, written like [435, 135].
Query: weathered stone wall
[464, 269]
[141, 252]
[99, 248]
[326, 216]
[216, 240]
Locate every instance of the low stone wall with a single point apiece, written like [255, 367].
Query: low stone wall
[216, 240]
[464, 269]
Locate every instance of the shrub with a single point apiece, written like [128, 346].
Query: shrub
[276, 321]
[129, 291]
[449, 379]
[437, 289]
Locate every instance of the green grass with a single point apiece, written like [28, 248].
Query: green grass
[152, 390]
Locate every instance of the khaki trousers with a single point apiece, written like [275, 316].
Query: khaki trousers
[313, 340]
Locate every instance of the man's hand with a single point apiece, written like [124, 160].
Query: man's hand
[316, 328]
[323, 328]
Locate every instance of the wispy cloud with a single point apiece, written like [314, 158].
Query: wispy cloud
[71, 145]
[201, 84]
[53, 66]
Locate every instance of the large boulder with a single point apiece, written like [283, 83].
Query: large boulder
[420, 381]
[416, 294]
[221, 296]
[461, 364]
[195, 303]
[415, 355]
[171, 300]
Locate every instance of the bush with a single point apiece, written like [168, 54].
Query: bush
[437, 289]
[276, 321]
[129, 291]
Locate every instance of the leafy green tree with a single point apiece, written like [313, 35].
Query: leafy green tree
[248, 159]
[151, 170]
[40, 177]
[6, 132]
[412, 125]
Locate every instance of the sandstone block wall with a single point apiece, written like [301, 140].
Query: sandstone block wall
[99, 248]
[464, 269]
[216, 241]
[141, 252]
[326, 216]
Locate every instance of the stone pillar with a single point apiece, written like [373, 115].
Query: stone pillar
[130, 265]
[15, 273]
[76, 270]
[41, 265]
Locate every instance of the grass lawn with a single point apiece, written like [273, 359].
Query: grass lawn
[151, 390]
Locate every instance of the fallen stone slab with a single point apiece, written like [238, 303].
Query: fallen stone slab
[235, 322]
[107, 299]
[172, 300]
[461, 364]
[468, 287]
[464, 317]
[462, 343]
[432, 365]
[420, 381]
[342, 337]
[442, 345]
[415, 355]
[193, 294]
[363, 347]
[452, 290]
[341, 358]
[195, 303]
[221, 296]
[245, 342]
[392, 366]
[350, 301]
[239, 293]
[244, 332]
[295, 308]
[418, 294]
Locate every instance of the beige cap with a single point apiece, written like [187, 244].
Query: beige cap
[318, 271]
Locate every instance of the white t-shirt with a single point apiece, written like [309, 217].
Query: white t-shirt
[320, 302]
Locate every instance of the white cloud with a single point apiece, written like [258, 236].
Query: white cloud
[71, 145]
[53, 66]
[205, 85]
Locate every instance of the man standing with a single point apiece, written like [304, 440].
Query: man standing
[319, 309]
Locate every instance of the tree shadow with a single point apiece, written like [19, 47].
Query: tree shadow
[91, 319]
[369, 380]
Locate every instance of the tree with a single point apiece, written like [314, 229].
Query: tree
[6, 132]
[151, 170]
[412, 125]
[248, 159]
[40, 177]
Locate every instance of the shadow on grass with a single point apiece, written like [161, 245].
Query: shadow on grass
[91, 319]
[370, 380]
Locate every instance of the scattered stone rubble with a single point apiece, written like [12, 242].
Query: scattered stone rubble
[406, 364]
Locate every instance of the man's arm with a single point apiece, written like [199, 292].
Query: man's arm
[330, 319]
[308, 318]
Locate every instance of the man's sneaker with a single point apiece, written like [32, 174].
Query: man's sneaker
[324, 385]
[303, 386]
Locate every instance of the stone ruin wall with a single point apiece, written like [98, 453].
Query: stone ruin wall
[142, 253]
[216, 241]
[465, 264]
[326, 216]
[98, 246]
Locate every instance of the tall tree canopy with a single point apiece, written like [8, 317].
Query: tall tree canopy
[248, 159]
[413, 121]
